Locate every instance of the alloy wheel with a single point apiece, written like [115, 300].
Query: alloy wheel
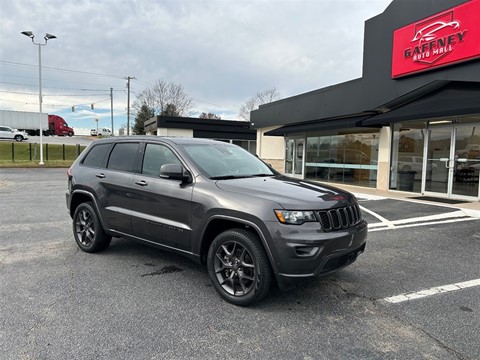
[235, 268]
[85, 228]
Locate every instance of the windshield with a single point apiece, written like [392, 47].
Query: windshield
[225, 161]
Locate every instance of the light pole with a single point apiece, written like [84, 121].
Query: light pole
[45, 38]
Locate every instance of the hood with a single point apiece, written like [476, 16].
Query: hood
[290, 193]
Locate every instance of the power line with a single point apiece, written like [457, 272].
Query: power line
[60, 69]
[59, 88]
[52, 80]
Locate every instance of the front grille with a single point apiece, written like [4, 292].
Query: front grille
[341, 218]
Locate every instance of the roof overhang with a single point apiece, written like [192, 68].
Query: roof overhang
[437, 100]
[345, 122]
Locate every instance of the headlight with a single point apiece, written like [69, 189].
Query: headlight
[295, 217]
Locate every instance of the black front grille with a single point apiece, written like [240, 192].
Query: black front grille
[341, 218]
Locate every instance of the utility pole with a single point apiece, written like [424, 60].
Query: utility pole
[128, 103]
[111, 108]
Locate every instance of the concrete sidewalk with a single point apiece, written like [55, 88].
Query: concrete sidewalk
[469, 208]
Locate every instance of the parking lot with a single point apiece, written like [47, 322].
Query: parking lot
[413, 294]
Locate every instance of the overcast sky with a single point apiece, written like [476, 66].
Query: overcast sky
[221, 52]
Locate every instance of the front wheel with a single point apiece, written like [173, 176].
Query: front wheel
[88, 231]
[70, 134]
[238, 267]
[18, 137]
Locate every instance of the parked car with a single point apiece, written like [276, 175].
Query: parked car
[9, 133]
[216, 204]
[102, 132]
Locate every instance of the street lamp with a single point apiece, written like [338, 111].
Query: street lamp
[45, 38]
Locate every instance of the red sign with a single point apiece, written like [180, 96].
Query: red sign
[440, 40]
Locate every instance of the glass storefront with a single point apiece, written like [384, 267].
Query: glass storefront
[343, 156]
[438, 157]
[294, 156]
[407, 156]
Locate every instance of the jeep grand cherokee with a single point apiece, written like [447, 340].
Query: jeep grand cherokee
[216, 204]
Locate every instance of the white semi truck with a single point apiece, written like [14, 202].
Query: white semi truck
[30, 122]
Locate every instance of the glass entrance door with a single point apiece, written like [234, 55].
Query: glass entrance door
[294, 155]
[453, 161]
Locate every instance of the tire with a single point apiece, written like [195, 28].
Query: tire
[239, 268]
[88, 231]
[18, 138]
[70, 134]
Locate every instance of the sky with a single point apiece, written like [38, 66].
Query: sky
[222, 52]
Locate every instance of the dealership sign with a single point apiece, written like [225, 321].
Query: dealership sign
[440, 40]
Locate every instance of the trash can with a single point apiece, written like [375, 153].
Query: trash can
[406, 180]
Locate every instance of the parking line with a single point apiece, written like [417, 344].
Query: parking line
[415, 224]
[455, 216]
[384, 221]
[432, 291]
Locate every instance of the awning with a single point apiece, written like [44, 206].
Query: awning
[323, 124]
[454, 99]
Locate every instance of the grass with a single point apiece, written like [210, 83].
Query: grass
[28, 154]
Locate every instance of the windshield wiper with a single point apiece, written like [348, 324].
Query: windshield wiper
[261, 175]
[229, 177]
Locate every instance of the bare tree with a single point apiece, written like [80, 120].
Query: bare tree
[210, 116]
[262, 97]
[162, 93]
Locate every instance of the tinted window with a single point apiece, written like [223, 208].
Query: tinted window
[123, 157]
[96, 155]
[155, 156]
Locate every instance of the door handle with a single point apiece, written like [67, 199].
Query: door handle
[141, 183]
[101, 175]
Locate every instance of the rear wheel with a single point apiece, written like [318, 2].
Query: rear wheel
[238, 267]
[88, 231]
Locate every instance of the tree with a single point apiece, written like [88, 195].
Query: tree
[162, 93]
[209, 116]
[170, 110]
[262, 97]
[143, 115]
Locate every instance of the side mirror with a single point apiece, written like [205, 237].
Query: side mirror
[175, 172]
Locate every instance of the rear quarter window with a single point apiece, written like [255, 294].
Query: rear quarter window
[96, 156]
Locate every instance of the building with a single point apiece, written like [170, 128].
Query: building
[235, 132]
[410, 123]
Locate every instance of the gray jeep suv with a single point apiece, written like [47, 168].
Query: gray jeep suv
[216, 204]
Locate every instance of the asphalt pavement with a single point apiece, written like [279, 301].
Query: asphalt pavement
[413, 294]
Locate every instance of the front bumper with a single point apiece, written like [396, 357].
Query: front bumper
[306, 251]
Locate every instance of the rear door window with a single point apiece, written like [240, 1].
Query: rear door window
[123, 157]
